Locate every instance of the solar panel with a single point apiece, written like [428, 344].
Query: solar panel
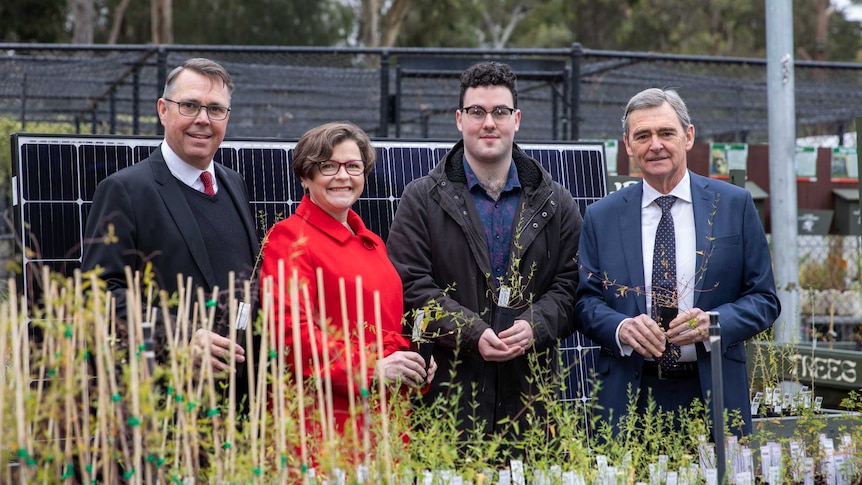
[56, 176]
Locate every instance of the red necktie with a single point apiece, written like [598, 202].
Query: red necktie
[207, 179]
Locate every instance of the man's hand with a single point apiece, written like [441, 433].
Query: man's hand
[689, 327]
[405, 367]
[219, 350]
[519, 334]
[643, 335]
[492, 349]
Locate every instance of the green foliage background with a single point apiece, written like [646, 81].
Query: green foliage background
[715, 27]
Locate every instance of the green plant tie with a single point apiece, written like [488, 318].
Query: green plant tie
[212, 412]
[22, 453]
[133, 421]
[364, 392]
[86, 355]
[284, 463]
[116, 398]
[190, 406]
[210, 303]
[226, 445]
[69, 472]
[257, 471]
[89, 468]
[170, 390]
[68, 332]
[129, 474]
[179, 397]
[273, 354]
[142, 347]
[52, 372]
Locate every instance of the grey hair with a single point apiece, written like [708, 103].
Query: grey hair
[653, 97]
[204, 67]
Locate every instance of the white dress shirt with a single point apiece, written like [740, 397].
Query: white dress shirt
[184, 172]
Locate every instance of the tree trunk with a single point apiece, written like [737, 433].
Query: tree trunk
[119, 16]
[161, 19]
[83, 14]
[369, 23]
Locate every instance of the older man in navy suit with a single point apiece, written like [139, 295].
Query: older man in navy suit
[675, 240]
[177, 209]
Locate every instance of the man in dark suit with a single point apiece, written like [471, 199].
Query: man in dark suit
[177, 209]
[714, 258]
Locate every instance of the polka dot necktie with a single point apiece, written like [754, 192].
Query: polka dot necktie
[207, 180]
[664, 275]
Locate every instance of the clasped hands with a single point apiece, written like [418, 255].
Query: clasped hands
[508, 344]
[646, 337]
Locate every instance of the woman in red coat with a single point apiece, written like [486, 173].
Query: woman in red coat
[332, 161]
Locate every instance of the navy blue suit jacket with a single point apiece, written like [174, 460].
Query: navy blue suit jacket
[734, 278]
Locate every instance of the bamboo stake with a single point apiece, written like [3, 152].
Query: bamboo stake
[231, 408]
[100, 348]
[348, 355]
[84, 444]
[68, 365]
[118, 428]
[133, 315]
[315, 365]
[258, 412]
[212, 412]
[276, 342]
[327, 365]
[185, 318]
[381, 389]
[25, 447]
[363, 373]
[4, 327]
[297, 366]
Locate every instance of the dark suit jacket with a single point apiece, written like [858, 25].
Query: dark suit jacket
[152, 222]
[734, 278]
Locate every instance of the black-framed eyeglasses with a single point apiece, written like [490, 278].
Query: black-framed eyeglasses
[192, 109]
[478, 113]
[331, 167]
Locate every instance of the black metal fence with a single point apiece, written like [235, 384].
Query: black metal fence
[281, 92]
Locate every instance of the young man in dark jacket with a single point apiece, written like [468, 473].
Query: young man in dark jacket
[488, 238]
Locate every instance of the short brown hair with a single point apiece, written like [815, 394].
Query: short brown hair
[202, 66]
[316, 145]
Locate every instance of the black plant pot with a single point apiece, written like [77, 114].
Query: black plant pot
[426, 349]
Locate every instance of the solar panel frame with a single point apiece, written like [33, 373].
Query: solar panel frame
[55, 176]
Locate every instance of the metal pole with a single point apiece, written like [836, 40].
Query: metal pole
[575, 92]
[717, 397]
[782, 166]
[385, 62]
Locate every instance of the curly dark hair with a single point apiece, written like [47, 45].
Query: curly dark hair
[489, 74]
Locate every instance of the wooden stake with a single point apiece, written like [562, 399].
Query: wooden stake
[327, 365]
[363, 373]
[315, 366]
[348, 355]
[381, 388]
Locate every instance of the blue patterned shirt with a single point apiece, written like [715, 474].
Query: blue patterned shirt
[498, 217]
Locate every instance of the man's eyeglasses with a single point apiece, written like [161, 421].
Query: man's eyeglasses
[478, 113]
[331, 167]
[192, 109]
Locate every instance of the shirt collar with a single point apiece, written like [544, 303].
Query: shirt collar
[681, 191]
[512, 179]
[184, 172]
